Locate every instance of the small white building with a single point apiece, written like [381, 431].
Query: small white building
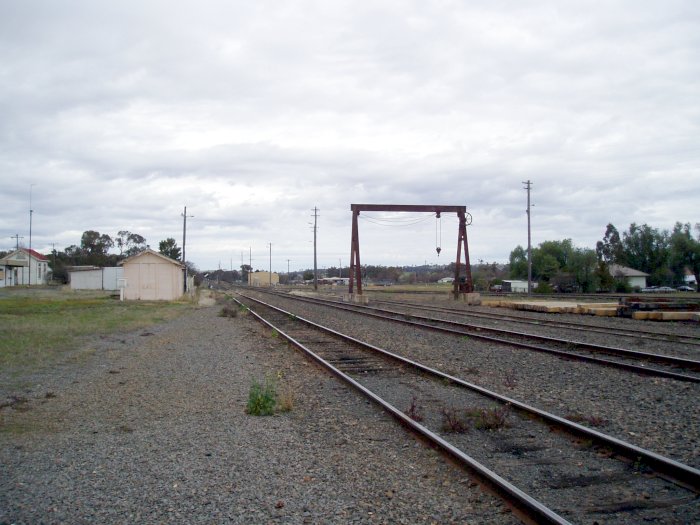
[151, 276]
[516, 286]
[94, 277]
[634, 278]
[23, 267]
[446, 280]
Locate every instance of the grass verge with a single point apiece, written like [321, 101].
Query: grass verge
[38, 331]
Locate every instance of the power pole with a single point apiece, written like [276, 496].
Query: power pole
[184, 237]
[315, 263]
[528, 187]
[288, 271]
[17, 237]
[270, 264]
[31, 212]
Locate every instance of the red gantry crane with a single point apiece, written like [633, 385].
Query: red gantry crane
[464, 219]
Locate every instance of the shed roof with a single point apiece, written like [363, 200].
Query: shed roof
[151, 252]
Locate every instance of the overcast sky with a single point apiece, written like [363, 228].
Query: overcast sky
[116, 115]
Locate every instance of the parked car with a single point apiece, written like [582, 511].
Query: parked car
[685, 288]
[658, 289]
[665, 289]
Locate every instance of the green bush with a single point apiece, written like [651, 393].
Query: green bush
[262, 398]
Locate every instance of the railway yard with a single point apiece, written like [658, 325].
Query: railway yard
[434, 411]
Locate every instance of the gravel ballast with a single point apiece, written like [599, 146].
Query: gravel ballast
[150, 427]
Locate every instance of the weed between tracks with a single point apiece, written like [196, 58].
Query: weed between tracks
[456, 421]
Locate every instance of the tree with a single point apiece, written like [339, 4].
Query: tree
[169, 248]
[583, 265]
[518, 263]
[129, 243]
[94, 247]
[684, 252]
[610, 249]
[95, 244]
[647, 249]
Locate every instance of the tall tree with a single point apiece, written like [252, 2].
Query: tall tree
[518, 263]
[169, 248]
[647, 249]
[95, 244]
[582, 265]
[684, 251]
[610, 249]
[129, 243]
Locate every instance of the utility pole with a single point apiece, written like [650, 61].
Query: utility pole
[270, 273]
[528, 187]
[315, 263]
[184, 237]
[31, 212]
[340, 268]
[288, 271]
[17, 237]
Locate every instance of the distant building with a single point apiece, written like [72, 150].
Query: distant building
[23, 267]
[151, 276]
[446, 280]
[634, 278]
[516, 286]
[263, 279]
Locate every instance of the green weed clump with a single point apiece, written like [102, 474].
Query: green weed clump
[262, 398]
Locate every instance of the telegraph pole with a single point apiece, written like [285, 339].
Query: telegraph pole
[288, 271]
[31, 212]
[270, 273]
[315, 263]
[528, 187]
[184, 237]
[17, 237]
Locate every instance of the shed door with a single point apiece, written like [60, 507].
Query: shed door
[149, 287]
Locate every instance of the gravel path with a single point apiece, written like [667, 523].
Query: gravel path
[149, 427]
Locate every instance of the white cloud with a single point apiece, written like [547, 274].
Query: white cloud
[252, 113]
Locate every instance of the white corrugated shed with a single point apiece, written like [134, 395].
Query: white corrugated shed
[94, 278]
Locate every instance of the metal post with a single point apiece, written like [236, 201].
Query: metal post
[31, 212]
[184, 236]
[528, 186]
[315, 260]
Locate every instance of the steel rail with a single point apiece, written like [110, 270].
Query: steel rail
[683, 474]
[472, 331]
[624, 332]
[523, 502]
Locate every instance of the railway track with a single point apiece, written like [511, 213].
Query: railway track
[572, 475]
[635, 334]
[663, 365]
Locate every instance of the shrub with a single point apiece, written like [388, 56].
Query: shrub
[451, 422]
[414, 411]
[489, 419]
[262, 398]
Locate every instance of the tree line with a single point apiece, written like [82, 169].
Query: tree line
[94, 250]
[664, 255]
